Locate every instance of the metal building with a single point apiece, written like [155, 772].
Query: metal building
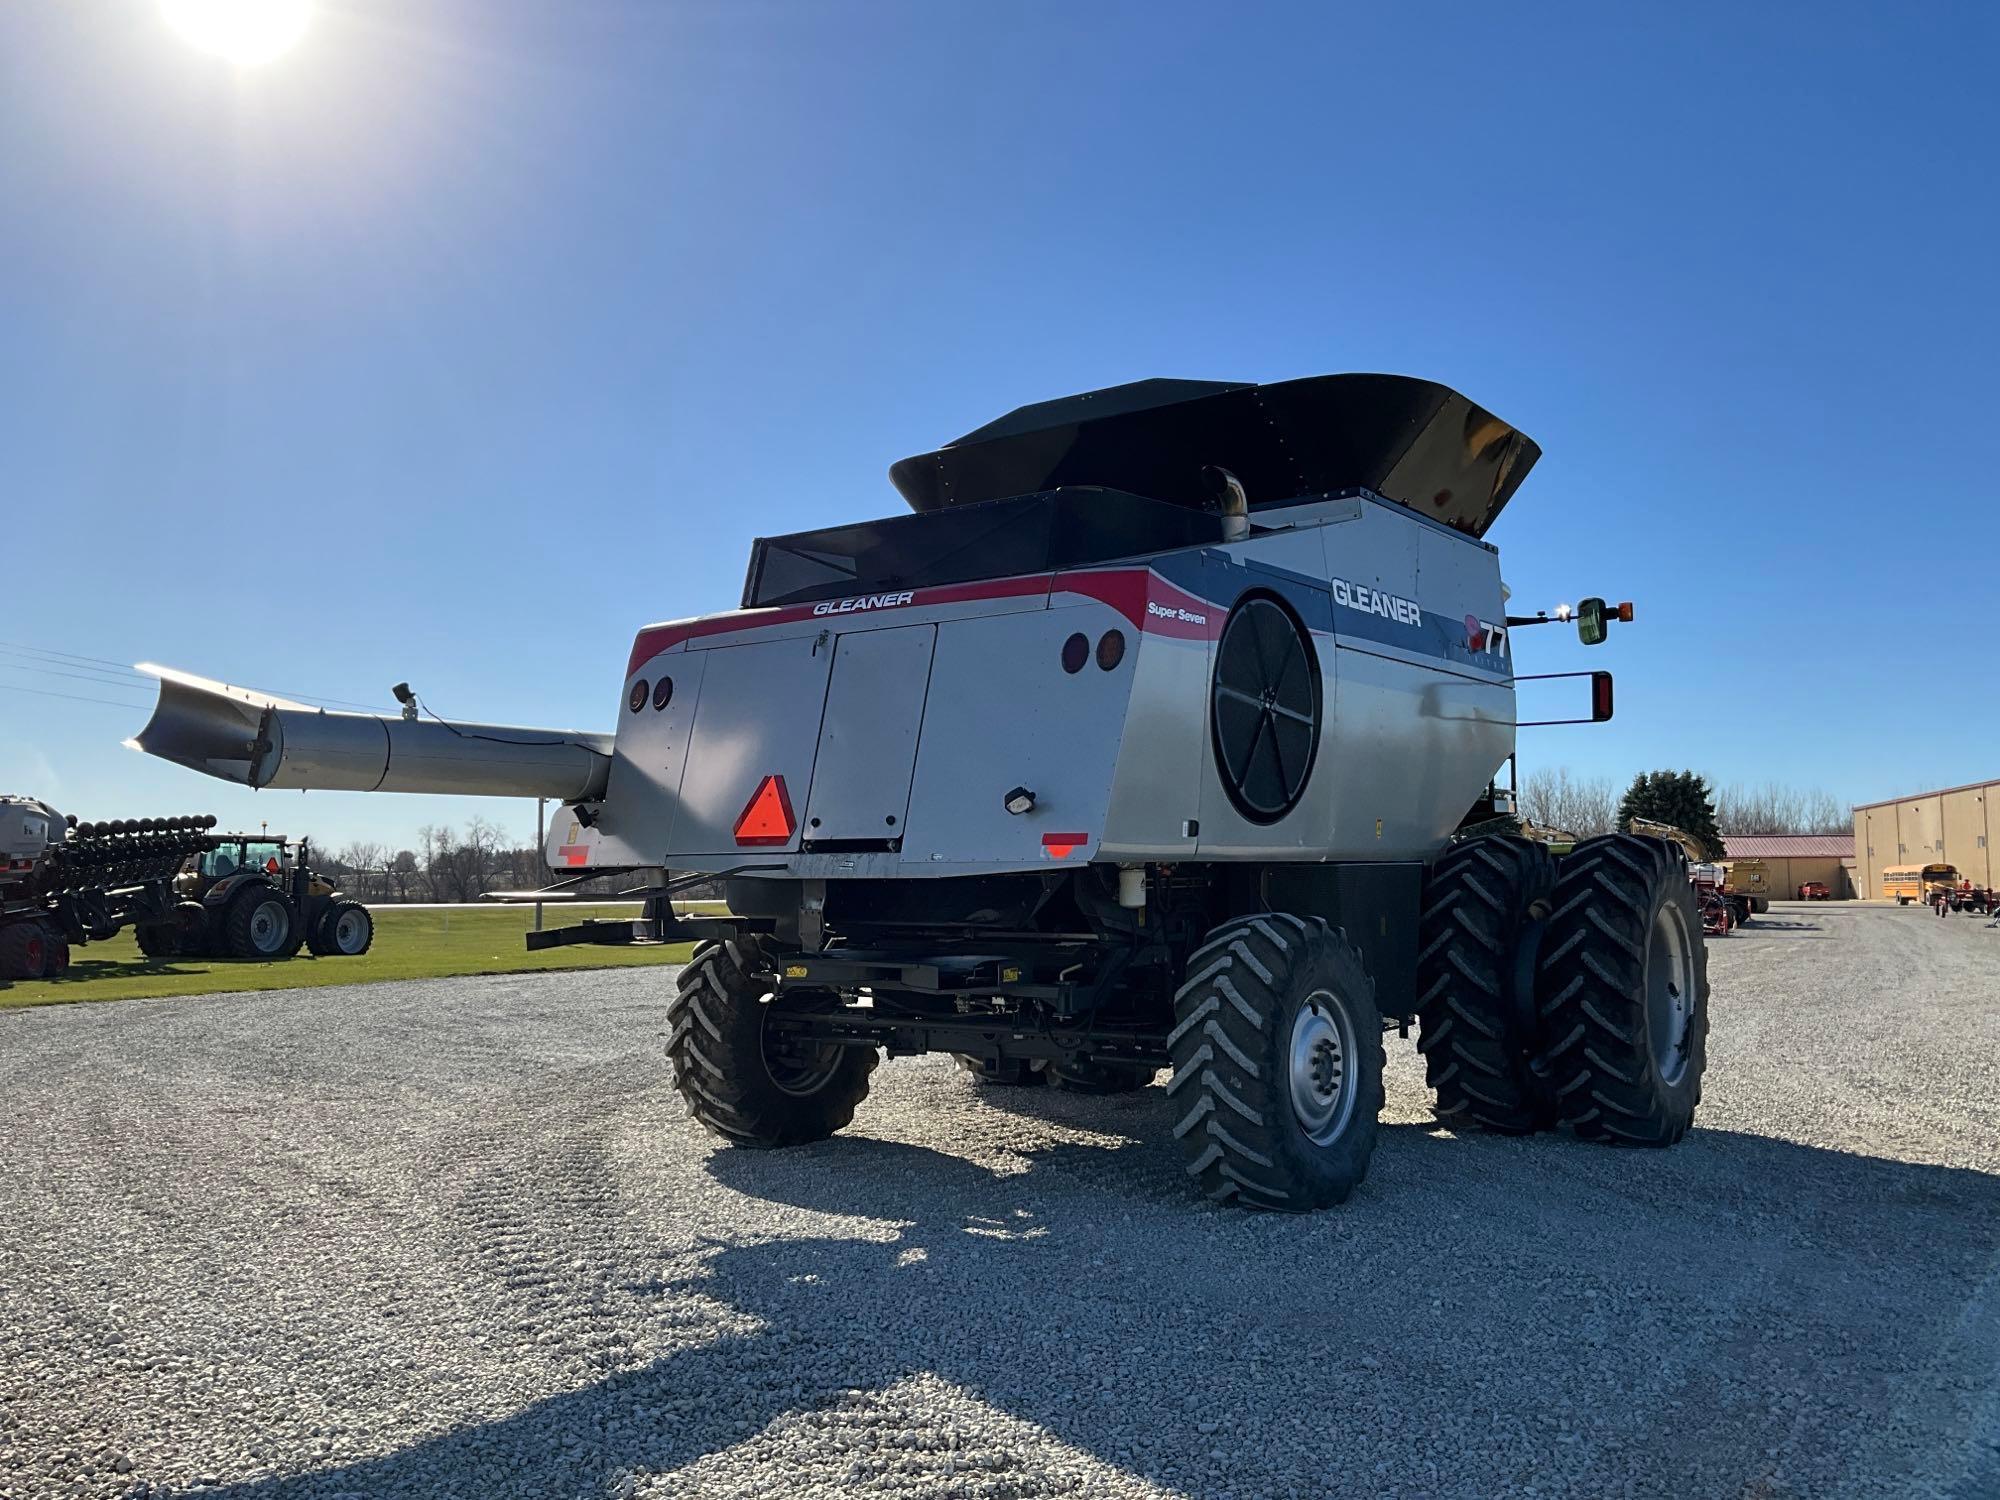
[1794, 859]
[1956, 826]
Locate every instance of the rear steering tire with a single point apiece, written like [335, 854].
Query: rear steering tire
[743, 1081]
[1624, 993]
[1277, 1057]
[1485, 903]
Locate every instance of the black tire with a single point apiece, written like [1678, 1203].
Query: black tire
[193, 938]
[1624, 992]
[1100, 1078]
[24, 951]
[1013, 1073]
[345, 929]
[261, 924]
[1485, 904]
[1258, 988]
[158, 939]
[57, 963]
[733, 1082]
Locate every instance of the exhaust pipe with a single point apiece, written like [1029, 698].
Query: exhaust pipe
[257, 740]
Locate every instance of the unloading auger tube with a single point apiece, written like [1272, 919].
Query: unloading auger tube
[258, 740]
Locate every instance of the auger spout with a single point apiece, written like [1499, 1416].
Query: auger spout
[260, 740]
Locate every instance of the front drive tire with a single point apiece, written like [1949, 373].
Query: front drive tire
[1483, 900]
[345, 929]
[1624, 992]
[1277, 1058]
[740, 1082]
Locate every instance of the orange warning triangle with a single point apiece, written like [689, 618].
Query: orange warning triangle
[767, 817]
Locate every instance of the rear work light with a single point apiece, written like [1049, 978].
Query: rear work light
[767, 817]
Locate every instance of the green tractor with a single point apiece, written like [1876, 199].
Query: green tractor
[255, 896]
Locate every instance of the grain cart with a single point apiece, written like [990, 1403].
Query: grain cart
[1142, 745]
[63, 882]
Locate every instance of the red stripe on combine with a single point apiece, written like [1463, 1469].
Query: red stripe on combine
[1143, 597]
[1148, 601]
[657, 638]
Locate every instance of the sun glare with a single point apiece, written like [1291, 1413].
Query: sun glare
[244, 31]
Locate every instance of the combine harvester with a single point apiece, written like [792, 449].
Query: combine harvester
[1148, 742]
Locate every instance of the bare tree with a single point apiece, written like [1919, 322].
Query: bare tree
[1579, 805]
[363, 873]
[1776, 808]
[402, 872]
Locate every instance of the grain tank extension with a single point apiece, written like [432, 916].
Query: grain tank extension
[1162, 734]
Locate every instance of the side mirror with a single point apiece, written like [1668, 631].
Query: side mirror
[1590, 626]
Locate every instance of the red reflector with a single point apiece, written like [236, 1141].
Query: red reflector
[767, 817]
[1060, 845]
[1600, 696]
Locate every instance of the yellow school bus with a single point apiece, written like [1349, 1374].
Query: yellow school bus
[1906, 883]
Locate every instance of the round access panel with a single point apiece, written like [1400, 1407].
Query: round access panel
[1264, 708]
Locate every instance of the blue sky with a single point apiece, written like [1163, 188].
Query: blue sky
[466, 338]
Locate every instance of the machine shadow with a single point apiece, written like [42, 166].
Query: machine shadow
[1468, 1264]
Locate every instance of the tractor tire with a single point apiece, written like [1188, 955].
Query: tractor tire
[1624, 993]
[346, 929]
[260, 924]
[1100, 1078]
[1486, 902]
[158, 939]
[193, 938]
[734, 1081]
[1015, 1072]
[24, 951]
[1277, 1058]
[57, 963]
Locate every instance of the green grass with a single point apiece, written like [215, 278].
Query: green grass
[408, 945]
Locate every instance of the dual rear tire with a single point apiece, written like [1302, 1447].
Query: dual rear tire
[1569, 993]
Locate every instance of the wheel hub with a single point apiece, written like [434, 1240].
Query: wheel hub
[1669, 992]
[1322, 1079]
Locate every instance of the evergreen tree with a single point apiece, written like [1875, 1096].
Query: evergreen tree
[1678, 798]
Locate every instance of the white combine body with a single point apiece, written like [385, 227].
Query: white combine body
[1143, 742]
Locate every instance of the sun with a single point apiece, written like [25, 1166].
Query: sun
[244, 31]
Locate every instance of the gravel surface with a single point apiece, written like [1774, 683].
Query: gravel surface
[456, 1237]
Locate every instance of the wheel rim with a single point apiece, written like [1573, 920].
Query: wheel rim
[1266, 708]
[349, 931]
[797, 1068]
[1322, 1068]
[1669, 992]
[267, 927]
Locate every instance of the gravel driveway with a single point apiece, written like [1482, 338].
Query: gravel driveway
[456, 1238]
